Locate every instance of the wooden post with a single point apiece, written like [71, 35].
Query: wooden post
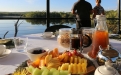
[48, 13]
[119, 31]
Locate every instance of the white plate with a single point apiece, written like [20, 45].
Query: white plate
[8, 51]
[48, 37]
[113, 35]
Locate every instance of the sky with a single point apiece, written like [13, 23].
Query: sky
[55, 5]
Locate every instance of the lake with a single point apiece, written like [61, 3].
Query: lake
[24, 28]
[32, 26]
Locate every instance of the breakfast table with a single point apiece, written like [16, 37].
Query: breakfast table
[9, 63]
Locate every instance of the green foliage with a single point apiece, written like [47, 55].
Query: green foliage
[35, 14]
[112, 14]
[36, 21]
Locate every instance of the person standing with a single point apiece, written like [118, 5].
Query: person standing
[97, 10]
[82, 9]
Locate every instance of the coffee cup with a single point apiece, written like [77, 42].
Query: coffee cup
[47, 34]
[2, 49]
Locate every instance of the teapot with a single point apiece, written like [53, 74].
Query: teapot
[109, 53]
[106, 69]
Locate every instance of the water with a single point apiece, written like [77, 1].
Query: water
[23, 29]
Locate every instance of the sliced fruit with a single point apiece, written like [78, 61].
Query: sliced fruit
[64, 73]
[48, 58]
[43, 68]
[66, 58]
[45, 72]
[70, 54]
[51, 71]
[42, 63]
[53, 63]
[80, 60]
[56, 72]
[59, 68]
[64, 66]
[60, 57]
[75, 60]
[50, 52]
[36, 62]
[74, 69]
[55, 52]
[79, 68]
[74, 52]
[30, 69]
[72, 59]
[70, 69]
[37, 71]
[84, 68]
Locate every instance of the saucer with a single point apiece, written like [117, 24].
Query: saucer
[113, 35]
[7, 52]
[48, 37]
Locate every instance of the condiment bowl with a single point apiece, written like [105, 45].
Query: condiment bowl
[35, 53]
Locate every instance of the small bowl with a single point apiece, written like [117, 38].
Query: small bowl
[47, 34]
[33, 57]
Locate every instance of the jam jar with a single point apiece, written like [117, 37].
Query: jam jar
[64, 37]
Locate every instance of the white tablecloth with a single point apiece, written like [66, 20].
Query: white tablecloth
[9, 63]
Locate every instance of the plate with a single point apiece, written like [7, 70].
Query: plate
[7, 52]
[90, 67]
[113, 35]
[8, 42]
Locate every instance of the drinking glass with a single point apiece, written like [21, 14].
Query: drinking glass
[86, 38]
[88, 31]
[21, 43]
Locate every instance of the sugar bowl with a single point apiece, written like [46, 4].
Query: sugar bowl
[106, 69]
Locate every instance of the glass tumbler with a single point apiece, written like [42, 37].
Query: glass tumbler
[86, 38]
[20, 43]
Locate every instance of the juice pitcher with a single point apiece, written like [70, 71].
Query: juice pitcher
[100, 36]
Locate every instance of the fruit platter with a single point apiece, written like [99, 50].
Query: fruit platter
[53, 62]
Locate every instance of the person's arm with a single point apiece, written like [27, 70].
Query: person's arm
[91, 11]
[103, 12]
[90, 8]
[94, 13]
[73, 12]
